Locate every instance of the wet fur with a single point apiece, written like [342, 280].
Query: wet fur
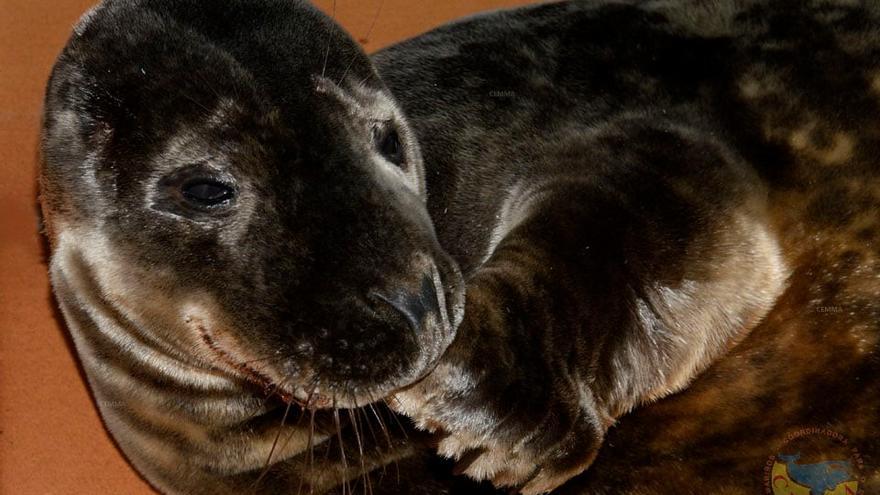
[647, 201]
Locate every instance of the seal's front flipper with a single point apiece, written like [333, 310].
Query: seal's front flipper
[624, 276]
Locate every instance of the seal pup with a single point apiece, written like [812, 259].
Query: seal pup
[634, 191]
[236, 208]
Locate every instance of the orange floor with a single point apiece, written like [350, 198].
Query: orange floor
[51, 439]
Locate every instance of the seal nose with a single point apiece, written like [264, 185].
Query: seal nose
[414, 306]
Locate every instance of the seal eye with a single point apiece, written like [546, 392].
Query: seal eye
[206, 192]
[388, 144]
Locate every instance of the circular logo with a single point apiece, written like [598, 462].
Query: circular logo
[814, 461]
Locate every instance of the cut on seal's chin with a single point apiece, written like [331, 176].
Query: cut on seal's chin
[302, 386]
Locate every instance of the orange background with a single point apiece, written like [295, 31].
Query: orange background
[51, 438]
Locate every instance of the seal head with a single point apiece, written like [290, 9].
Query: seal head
[254, 207]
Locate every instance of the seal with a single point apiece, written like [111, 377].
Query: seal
[236, 210]
[536, 232]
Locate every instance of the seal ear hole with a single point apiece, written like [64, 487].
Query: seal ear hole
[387, 142]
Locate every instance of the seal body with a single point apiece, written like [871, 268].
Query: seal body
[519, 228]
[635, 191]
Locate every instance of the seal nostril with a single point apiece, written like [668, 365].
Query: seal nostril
[414, 306]
[428, 295]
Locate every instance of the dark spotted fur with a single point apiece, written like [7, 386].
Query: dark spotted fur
[669, 207]
[638, 99]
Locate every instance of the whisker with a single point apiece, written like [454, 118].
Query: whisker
[272, 450]
[375, 18]
[327, 448]
[366, 419]
[387, 438]
[204, 81]
[345, 487]
[382, 425]
[302, 413]
[327, 51]
[186, 95]
[275, 388]
[362, 413]
[396, 420]
[365, 38]
[312, 448]
[357, 436]
[363, 81]
[311, 454]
